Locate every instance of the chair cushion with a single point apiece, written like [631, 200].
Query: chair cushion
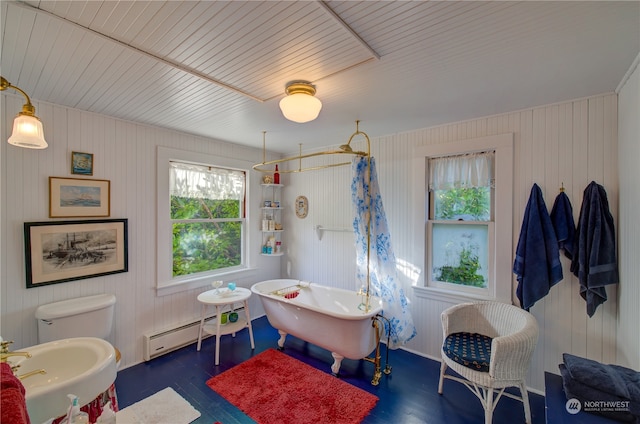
[469, 349]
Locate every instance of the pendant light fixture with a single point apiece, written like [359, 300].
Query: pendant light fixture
[27, 128]
[300, 105]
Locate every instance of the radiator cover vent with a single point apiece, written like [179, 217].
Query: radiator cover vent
[159, 343]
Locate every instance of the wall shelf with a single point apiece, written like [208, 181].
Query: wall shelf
[271, 217]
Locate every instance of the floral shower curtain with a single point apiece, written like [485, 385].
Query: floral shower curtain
[382, 260]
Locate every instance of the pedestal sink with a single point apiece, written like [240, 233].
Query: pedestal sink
[83, 366]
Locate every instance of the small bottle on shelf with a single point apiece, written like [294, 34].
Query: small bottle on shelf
[271, 245]
[276, 176]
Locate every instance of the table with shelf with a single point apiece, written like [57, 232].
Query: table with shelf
[222, 299]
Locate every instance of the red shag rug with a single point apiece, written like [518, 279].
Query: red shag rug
[273, 387]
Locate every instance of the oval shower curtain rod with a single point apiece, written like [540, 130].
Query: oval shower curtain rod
[342, 150]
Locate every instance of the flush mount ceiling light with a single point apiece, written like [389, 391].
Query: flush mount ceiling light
[27, 128]
[300, 105]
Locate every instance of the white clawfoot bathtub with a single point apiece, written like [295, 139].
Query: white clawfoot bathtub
[328, 317]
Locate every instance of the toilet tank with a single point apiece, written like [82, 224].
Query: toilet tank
[90, 316]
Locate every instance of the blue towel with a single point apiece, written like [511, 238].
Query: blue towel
[563, 224]
[537, 264]
[594, 258]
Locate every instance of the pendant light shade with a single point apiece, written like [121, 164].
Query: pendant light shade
[300, 105]
[27, 128]
[28, 132]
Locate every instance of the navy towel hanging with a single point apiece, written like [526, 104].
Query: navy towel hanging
[537, 264]
[563, 223]
[594, 258]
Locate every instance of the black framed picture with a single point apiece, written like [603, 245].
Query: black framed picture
[60, 251]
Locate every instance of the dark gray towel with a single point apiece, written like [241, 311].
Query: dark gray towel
[589, 380]
[537, 264]
[615, 379]
[594, 259]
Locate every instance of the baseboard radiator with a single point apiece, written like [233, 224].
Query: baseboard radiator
[159, 343]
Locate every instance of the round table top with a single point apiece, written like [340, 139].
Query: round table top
[224, 296]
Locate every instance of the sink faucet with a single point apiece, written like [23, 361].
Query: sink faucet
[4, 352]
[30, 373]
[6, 355]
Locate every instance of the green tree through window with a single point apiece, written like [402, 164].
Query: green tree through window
[460, 188]
[207, 219]
[467, 204]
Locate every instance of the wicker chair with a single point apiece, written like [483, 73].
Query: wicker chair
[509, 335]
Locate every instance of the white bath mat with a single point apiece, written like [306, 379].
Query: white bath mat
[164, 407]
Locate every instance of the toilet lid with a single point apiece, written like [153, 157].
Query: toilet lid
[79, 305]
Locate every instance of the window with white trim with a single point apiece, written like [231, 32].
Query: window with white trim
[207, 217]
[202, 229]
[460, 225]
[466, 204]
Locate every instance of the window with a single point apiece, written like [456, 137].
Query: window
[460, 222]
[207, 217]
[202, 219]
[465, 207]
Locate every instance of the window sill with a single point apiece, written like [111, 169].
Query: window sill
[450, 296]
[195, 283]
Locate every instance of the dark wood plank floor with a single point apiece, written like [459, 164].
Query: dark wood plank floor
[408, 395]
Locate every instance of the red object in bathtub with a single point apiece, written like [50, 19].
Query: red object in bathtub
[292, 295]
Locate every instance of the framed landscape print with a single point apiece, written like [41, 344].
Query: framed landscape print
[75, 197]
[82, 163]
[56, 252]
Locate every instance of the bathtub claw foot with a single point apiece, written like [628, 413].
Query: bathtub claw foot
[283, 336]
[376, 378]
[337, 361]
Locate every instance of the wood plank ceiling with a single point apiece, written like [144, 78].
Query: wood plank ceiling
[219, 68]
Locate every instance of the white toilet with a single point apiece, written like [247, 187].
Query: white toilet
[90, 316]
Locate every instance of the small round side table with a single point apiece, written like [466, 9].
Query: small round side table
[224, 298]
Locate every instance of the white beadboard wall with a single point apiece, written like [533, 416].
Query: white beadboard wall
[629, 230]
[125, 154]
[568, 144]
